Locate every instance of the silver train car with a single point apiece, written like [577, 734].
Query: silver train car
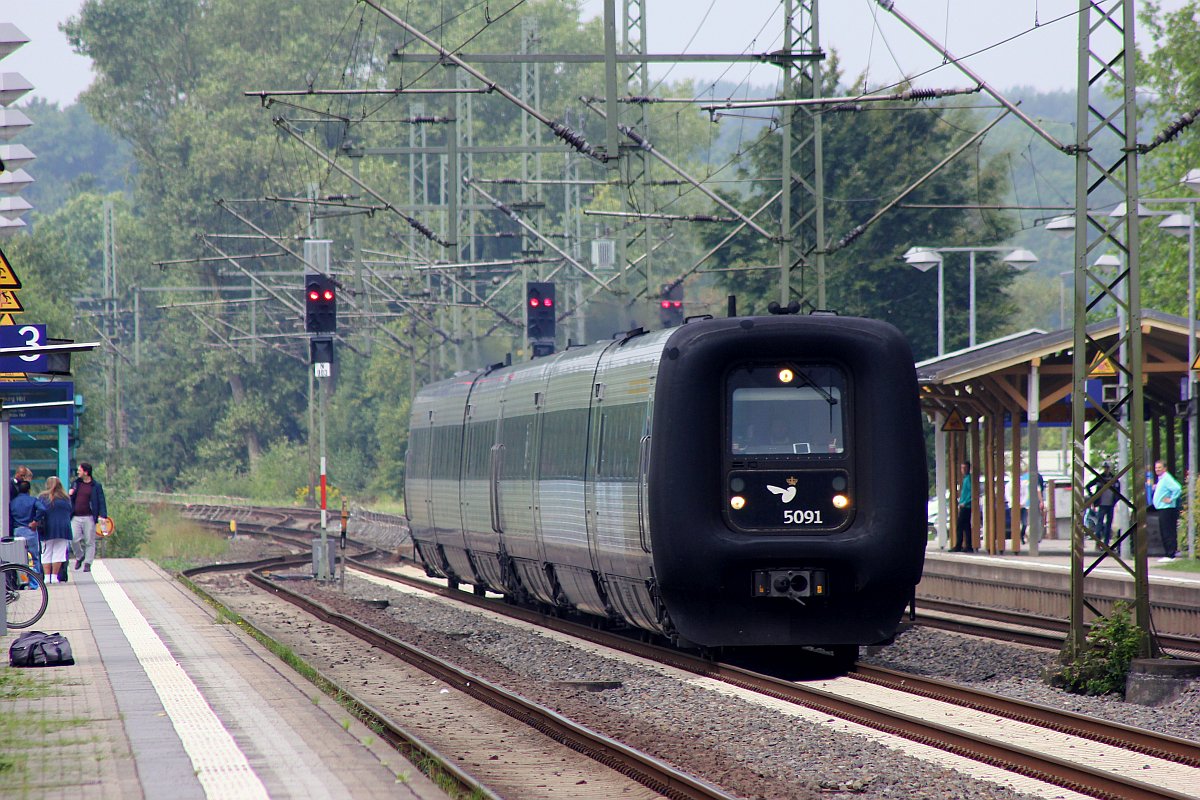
[741, 482]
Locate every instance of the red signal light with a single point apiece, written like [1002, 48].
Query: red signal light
[549, 302]
[534, 302]
[328, 295]
[678, 304]
[314, 295]
[666, 303]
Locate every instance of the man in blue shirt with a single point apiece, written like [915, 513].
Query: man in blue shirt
[1167, 493]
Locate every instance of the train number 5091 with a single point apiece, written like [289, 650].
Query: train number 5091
[802, 517]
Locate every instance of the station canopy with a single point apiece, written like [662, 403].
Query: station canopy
[994, 376]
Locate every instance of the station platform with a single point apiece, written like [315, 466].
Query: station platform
[165, 702]
[1058, 552]
[1041, 584]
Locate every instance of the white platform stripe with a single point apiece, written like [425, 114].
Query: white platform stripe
[220, 765]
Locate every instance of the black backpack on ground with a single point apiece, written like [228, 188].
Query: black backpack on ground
[39, 649]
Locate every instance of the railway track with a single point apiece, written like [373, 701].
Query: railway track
[1094, 780]
[1098, 780]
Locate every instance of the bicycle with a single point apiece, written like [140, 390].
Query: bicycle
[25, 595]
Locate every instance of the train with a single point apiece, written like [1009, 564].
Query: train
[737, 482]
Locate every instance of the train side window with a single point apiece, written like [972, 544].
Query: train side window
[417, 460]
[620, 441]
[787, 410]
[480, 438]
[516, 434]
[561, 456]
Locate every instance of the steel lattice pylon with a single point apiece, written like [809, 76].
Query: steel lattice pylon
[638, 242]
[1106, 60]
[802, 213]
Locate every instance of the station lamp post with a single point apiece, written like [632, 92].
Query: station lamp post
[1184, 224]
[924, 258]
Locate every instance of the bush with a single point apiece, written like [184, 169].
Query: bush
[132, 521]
[1112, 643]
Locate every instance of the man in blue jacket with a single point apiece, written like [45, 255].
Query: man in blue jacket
[87, 506]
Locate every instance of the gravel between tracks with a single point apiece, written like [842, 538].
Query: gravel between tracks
[749, 751]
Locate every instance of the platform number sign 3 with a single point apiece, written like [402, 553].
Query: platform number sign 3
[14, 336]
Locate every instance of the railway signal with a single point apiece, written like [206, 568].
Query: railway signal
[540, 312]
[320, 303]
[670, 306]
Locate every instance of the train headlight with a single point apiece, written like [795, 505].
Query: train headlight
[786, 375]
[737, 502]
[841, 501]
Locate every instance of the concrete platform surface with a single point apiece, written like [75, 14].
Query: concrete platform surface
[165, 701]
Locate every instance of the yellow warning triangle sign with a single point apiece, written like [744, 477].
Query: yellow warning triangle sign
[1196, 363]
[8, 278]
[9, 301]
[955, 422]
[1101, 365]
[7, 319]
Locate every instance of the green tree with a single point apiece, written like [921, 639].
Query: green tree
[1170, 70]
[74, 155]
[870, 157]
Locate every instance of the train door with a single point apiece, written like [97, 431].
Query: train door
[516, 494]
[619, 448]
[567, 436]
[418, 489]
[480, 534]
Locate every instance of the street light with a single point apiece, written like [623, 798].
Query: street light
[1063, 226]
[1179, 224]
[923, 258]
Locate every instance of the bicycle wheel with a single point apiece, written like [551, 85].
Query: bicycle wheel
[25, 595]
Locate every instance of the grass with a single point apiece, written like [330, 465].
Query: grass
[1181, 564]
[177, 543]
[388, 507]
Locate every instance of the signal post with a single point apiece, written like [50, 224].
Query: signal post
[320, 323]
[540, 319]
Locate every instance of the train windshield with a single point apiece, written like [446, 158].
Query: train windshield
[787, 410]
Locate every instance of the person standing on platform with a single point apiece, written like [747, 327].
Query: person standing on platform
[962, 526]
[1167, 494]
[21, 473]
[87, 506]
[55, 510]
[23, 518]
[1106, 501]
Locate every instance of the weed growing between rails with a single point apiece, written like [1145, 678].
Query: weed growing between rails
[1103, 666]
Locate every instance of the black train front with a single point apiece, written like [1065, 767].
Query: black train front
[755, 481]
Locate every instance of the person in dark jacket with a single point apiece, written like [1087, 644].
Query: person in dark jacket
[87, 506]
[1109, 489]
[23, 518]
[54, 508]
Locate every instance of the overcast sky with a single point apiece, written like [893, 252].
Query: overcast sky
[865, 36]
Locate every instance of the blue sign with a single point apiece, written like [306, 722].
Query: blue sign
[20, 393]
[23, 336]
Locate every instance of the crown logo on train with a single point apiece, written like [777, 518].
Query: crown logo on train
[792, 481]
